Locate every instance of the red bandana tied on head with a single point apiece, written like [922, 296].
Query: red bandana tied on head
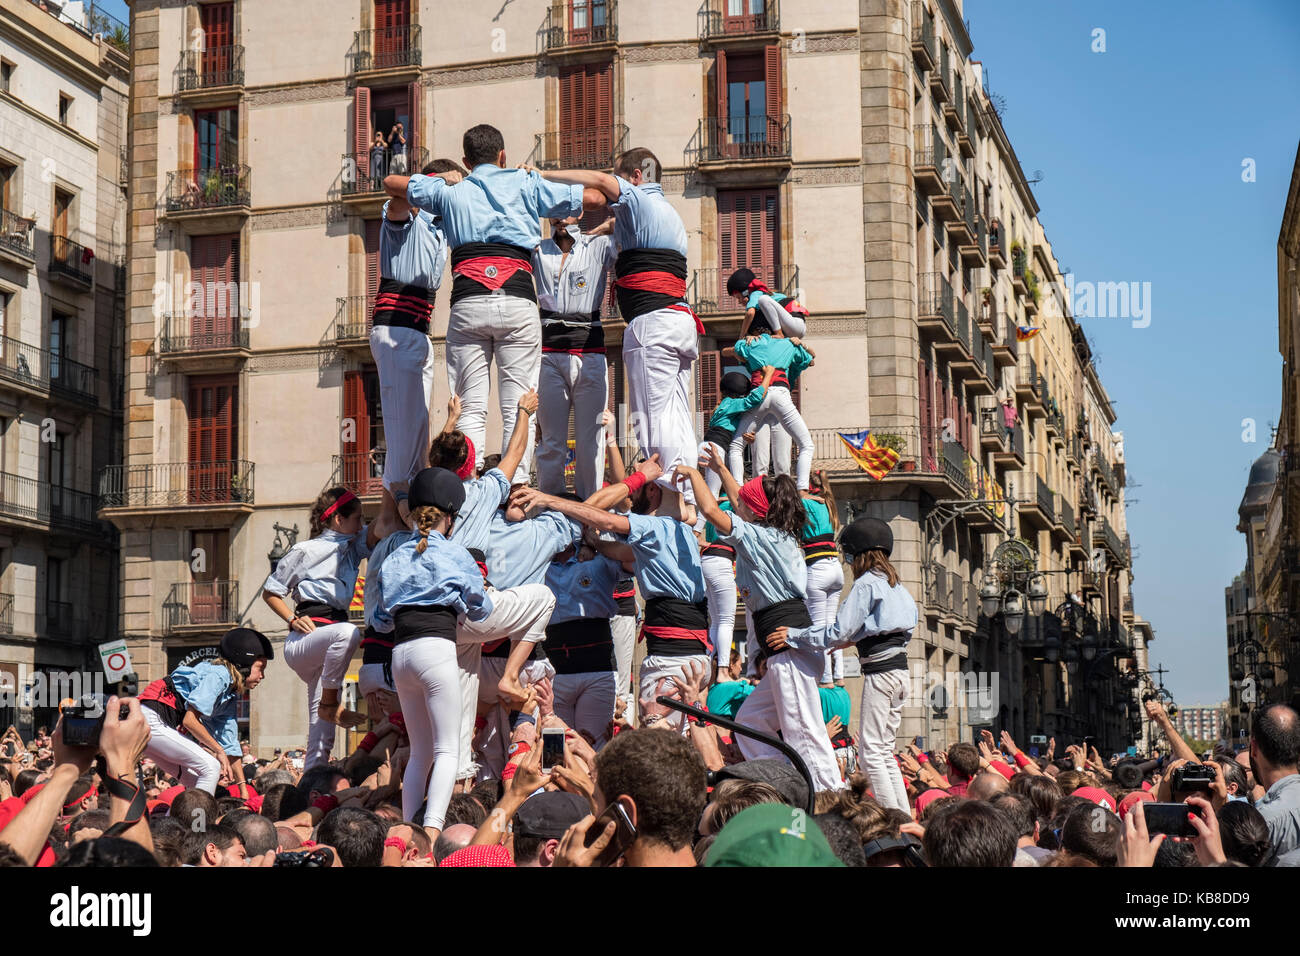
[343, 499]
[752, 494]
[758, 285]
[467, 469]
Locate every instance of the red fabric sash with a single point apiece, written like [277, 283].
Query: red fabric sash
[677, 634]
[491, 271]
[683, 307]
[664, 282]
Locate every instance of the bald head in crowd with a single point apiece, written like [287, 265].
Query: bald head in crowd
[987, 785]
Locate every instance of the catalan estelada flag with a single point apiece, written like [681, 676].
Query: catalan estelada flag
[1026, 332]
[875, 460]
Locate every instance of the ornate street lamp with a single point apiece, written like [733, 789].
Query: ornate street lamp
[278, 547]
[990, 596]
[1037, 594]
[1013, 611]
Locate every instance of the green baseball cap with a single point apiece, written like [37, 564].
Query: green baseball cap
[771, 834]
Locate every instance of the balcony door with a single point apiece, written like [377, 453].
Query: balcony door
[363, 445]
[380, 111]
[209, 576]
[749, 103]
[218, 21]
[747, 236]
[586, 116]
[744, 16]
[213, 410]
[588, 21]
[392, 25]
[216, 138]
[214, 270]
[60, 224]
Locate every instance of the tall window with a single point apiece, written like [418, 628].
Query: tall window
[218, 58]
[587, 116]
[745, 16]
[65, 109]
[209, 576]
[216, 138]
[588, 20]
[7, 174]
[392, 23]
[381, 112]
[214, 268]
[749, 101]
[213, 410]
[363, 444]
[6, 75]
[747, 236]
[58, 344]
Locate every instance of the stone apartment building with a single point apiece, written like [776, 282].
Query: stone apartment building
[845, 151]
[63, 98]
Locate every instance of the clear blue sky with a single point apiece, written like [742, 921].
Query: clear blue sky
[1141, 148]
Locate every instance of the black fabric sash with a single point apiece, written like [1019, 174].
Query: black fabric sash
[519, 285]
[581, 646]
[634, 302]
[790, 613]
[423, 620]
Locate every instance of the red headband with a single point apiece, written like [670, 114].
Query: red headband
[758, 284]
[466, 470]
[342, 500]
[752, 494]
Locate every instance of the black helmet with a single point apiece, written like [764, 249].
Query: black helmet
[736, 383]
[739, 281]
[243, 645]
[437, 487]
[867, 534]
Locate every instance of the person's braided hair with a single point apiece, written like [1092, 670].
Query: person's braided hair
[426, 516]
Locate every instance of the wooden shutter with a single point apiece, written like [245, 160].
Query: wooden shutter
[373, 228]
[772, 76]
[214, 265]
[413, 132]
[587, 115]
[213, 437]
[720, 125]
[926, 390]
[615, 382]
[392, 17]
[218, 21]
[708, 381]
[361, 135]
[603, 90]
[355, 452]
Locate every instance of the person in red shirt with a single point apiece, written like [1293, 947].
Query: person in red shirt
[963, 765]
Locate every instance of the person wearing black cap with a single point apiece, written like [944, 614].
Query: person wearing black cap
[739, 395]
[203, 701]
[425, 585]
[775, 311]
[878, 616]
[541, 822]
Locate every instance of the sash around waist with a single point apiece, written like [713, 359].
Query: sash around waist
[792, 612]
[411, 621]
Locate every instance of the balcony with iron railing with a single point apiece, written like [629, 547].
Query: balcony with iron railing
[72, 263]
[741, 141]
[197, 606]
[1066, 519]
[578, 26]
[997, 247]
[1006, 350]
[362, 473]
[1029, 385]
[217, 69]
[724, 20]
[935, 309]
[16, 244]
[223, 189]
[1113, 544]
[707, 291]
[1039, 511]
[975, 252]
[940, 78]
[35, 369]
[588, 148]
[1019, 265]
[6, 613]
[925, 45]
[954, 109]
[189, 334]
[210, 485]
[363, 174]
[32, 501]
[961, 229]
[1104, 471]
[394, 51]
[994, 435]
[932, 167]
[352, 316]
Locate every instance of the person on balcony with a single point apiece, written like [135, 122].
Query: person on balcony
[662, 338]
[570, 269]
[492, 221]
[321, 575]
[412, 254]
[378, 161]
[397, 148]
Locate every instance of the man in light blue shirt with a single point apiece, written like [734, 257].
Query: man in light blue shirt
[661, 343]
[491, 219]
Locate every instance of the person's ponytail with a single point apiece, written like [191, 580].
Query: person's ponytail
[785, 510]
[426, 517]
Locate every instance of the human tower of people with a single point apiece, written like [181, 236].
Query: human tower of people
[479, 588]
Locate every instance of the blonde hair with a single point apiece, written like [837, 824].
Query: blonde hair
[426, 516]
[236, 676]
[874, 560]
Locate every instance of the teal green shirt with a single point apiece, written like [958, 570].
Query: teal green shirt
[780, 353]
[835, 702]
[819, 519]
[710, 532]
[731, 410]
[725, 698]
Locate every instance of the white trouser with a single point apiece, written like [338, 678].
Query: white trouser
[483, 329]
[659, 667]
[770, 452]
[180, 756]
[518, 613]
[321, 659]
[580, 382]
[586, 702]
[720, 589]
[659, 350]
[825, 582]
[786, 700]
[779, 406]
[623, 629]
[780, 319]
[880, 715]
[493, 738]
[375, 685]
[428, 686]
[404, 360]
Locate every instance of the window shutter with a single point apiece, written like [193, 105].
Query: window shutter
[766, 229]
[355, 410]
[721, 123]
[361, 135]
[413, 134]
[708, 390]
[373, 228]
[570, 96]
[772, 75]
[218, 20]
[603, 140]
[213, 437]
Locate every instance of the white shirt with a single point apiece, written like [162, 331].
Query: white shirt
[572, 284]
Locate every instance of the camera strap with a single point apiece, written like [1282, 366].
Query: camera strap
[134, 794]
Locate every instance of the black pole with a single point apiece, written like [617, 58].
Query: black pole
[758, 735]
